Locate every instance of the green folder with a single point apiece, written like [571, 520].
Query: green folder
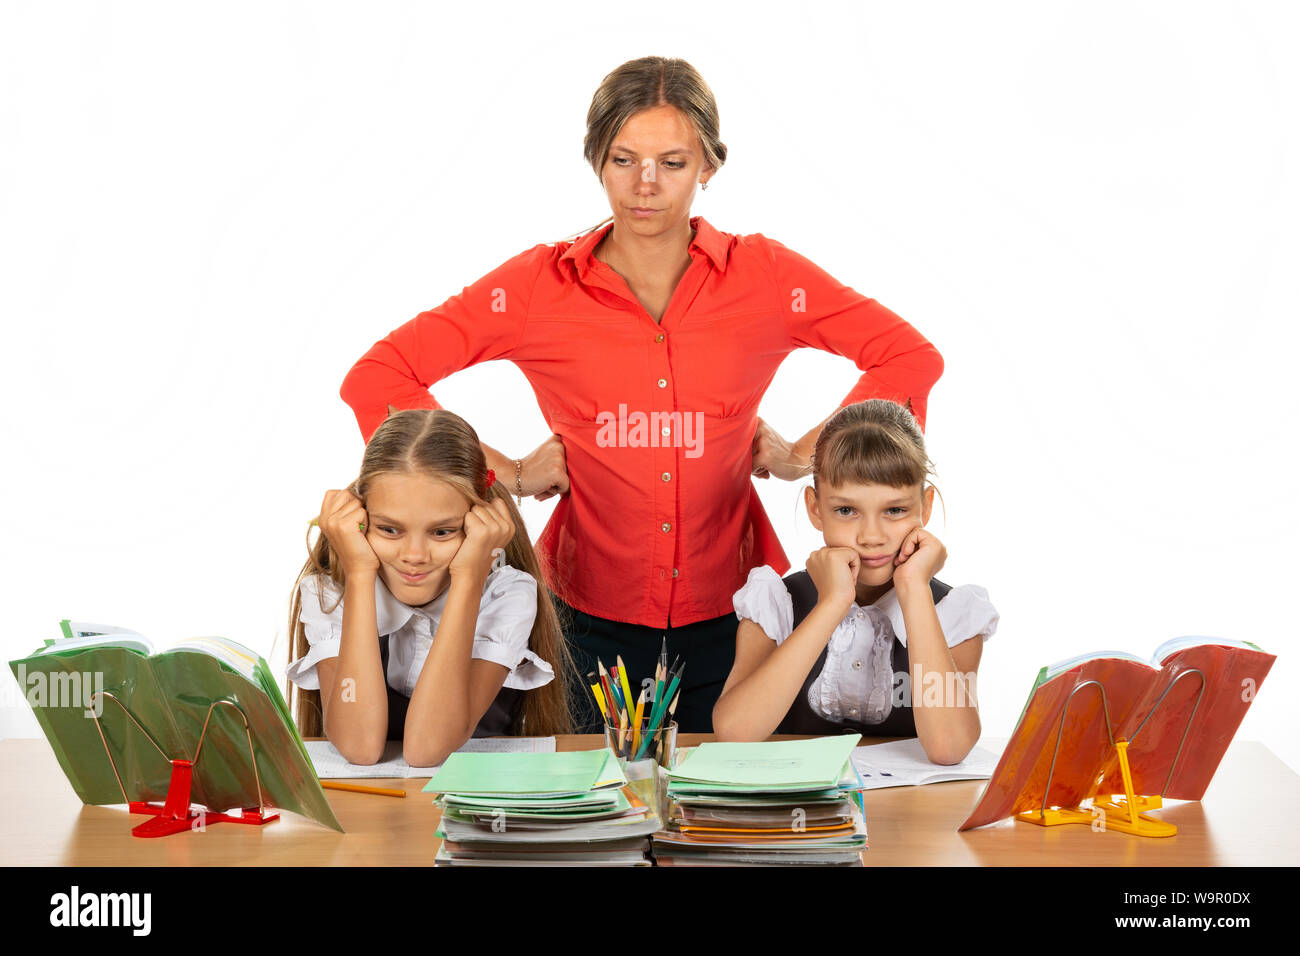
[169, 695]
[815, 764]
[560, 774]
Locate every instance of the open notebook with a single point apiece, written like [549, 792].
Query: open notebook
[903, 763]
[330, 764]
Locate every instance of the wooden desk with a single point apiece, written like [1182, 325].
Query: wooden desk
[1246, 819]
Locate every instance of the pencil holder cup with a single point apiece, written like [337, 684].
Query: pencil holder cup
[660, 746]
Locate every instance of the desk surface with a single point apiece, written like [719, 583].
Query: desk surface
[1246, 819]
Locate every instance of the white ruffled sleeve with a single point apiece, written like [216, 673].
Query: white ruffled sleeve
[971, 615]
[323, 629]
[765, 601]
[964, 612]
[505, 621]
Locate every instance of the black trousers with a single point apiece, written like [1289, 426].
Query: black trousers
[708, 649]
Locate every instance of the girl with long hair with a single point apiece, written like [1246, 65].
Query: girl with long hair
[419, 614]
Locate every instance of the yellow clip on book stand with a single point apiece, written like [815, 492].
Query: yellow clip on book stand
[1127, 813]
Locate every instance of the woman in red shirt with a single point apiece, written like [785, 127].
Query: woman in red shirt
[649, 344]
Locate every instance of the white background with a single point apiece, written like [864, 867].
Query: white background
[208, 212]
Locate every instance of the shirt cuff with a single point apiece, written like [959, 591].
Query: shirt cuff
[303, 671]
[527, 673]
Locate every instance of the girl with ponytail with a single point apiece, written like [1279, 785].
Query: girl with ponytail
[419, 615]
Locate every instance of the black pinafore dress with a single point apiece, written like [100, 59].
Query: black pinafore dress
[496, 722]
[802, 719]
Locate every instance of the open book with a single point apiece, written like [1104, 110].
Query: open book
[1180, 711]
[151, 706]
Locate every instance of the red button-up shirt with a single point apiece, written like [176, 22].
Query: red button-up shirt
[662, 522]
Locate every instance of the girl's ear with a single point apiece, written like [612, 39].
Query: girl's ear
[927, 503]
[810, 502]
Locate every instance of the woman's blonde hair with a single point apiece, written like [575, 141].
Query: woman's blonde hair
[641, 85]
[873, 442]
[442, 445]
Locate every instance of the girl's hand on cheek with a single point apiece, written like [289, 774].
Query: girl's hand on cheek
[487, 527]
[919, 559]
[344, 522]
[834, 572]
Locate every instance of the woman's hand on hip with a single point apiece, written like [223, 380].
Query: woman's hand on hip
[544, 472]
[773, 455]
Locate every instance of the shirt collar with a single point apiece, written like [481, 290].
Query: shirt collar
[576, 260]
[391, 614]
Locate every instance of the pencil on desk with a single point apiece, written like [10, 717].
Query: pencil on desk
[357, 788]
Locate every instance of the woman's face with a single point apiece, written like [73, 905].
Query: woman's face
[415, 525]
[871, 519]
[654, 164]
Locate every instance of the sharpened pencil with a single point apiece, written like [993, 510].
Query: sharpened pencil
[357, 788]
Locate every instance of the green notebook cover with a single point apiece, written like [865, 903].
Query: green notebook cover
[772, 764]
[169, 694]
[571, 773]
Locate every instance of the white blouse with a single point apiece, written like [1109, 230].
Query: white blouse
[505, 620]
[856, 683]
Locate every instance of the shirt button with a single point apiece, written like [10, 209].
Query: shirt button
[665, 431]
[674, 572]
[857, 665]
[853, 712]
[659, 337]
[666, 476]
[666, 527]
[663, 383]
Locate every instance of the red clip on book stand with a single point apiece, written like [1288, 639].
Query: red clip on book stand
[177, 814]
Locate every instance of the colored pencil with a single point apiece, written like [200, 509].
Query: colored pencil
[622, 676]
[594, 681]
[636, 721]
[357, 788]
[609, 687]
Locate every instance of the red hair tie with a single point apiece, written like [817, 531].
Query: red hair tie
[491, 477]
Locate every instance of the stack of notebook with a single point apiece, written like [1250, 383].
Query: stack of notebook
[552, 809]
[759, 804]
